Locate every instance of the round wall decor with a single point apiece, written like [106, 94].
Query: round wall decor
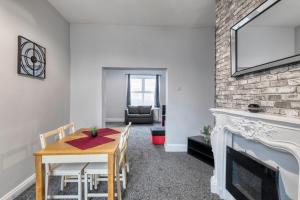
[31, 58]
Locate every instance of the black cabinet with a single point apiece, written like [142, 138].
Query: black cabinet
[200, 149]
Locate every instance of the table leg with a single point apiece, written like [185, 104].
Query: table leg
[39, 177]
[111, 177]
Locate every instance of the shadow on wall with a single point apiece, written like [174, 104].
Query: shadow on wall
[22, 11]
[18, 155]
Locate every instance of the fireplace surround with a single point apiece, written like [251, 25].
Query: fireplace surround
[272, 140]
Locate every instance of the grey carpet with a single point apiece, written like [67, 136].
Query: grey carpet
[155, 174]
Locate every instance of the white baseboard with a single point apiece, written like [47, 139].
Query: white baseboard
[19, 189]
[114, 120]
[175, 147]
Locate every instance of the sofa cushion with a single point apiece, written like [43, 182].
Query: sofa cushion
[139, 115]
[145, 109]
[133, 110]
[158, 131]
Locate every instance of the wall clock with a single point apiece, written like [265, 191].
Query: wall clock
[31, 58]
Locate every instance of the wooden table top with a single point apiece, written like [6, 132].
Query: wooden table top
[62, 148]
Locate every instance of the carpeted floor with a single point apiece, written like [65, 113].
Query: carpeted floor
[155, 174]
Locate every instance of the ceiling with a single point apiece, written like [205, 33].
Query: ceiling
[179, 13]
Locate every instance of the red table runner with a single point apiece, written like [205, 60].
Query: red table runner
[89, 142]
[102, 132]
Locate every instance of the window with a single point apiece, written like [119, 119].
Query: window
[142, 90]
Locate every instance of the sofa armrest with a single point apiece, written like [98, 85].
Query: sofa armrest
[152, 111]
[126, 116]
[152, 115]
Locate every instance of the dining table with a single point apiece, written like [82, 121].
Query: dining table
[62, 152]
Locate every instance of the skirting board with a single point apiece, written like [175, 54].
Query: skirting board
[20, 188]
[175, 147]
[114, 120]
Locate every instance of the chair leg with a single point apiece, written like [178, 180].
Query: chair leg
[127, 162]
[95, 182]
[127, 166]
[119, 185]
[91, 182]
[65, 182]
[79, 187]
[85, 186]
[124, 175]
[46, 185]
[62, 183]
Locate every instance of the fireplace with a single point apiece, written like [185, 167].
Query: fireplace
[248, 178]
[274, 141]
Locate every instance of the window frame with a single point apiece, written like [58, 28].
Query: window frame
[143, 90]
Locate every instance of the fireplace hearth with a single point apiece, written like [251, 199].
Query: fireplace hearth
[249, 179]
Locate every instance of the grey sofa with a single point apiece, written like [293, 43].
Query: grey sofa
[139, 115]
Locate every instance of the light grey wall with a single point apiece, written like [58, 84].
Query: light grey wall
[297, 40]
[29, 106]
[114, 93]
[258, 45]
[187, 54]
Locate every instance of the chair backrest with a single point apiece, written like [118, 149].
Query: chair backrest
[127, 131]
[70, 127]
[123, 145]
[45, 136]
[127, 127]
[124, 136]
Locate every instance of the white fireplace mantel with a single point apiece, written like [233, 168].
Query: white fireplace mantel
[276, 132]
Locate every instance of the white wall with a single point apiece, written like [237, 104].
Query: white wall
[114, 91]
[258, 45]
[187, 54]
[297, 40]
[29, 106]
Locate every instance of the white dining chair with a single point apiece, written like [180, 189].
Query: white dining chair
[126, 152]
[101, 170]
[68, 169]
[68, 129]
[125, 168]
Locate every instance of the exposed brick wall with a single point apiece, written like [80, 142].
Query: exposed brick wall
[277, 90]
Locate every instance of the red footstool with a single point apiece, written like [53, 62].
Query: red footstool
[158, 135]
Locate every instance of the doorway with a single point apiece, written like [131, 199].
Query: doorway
[142, 92]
